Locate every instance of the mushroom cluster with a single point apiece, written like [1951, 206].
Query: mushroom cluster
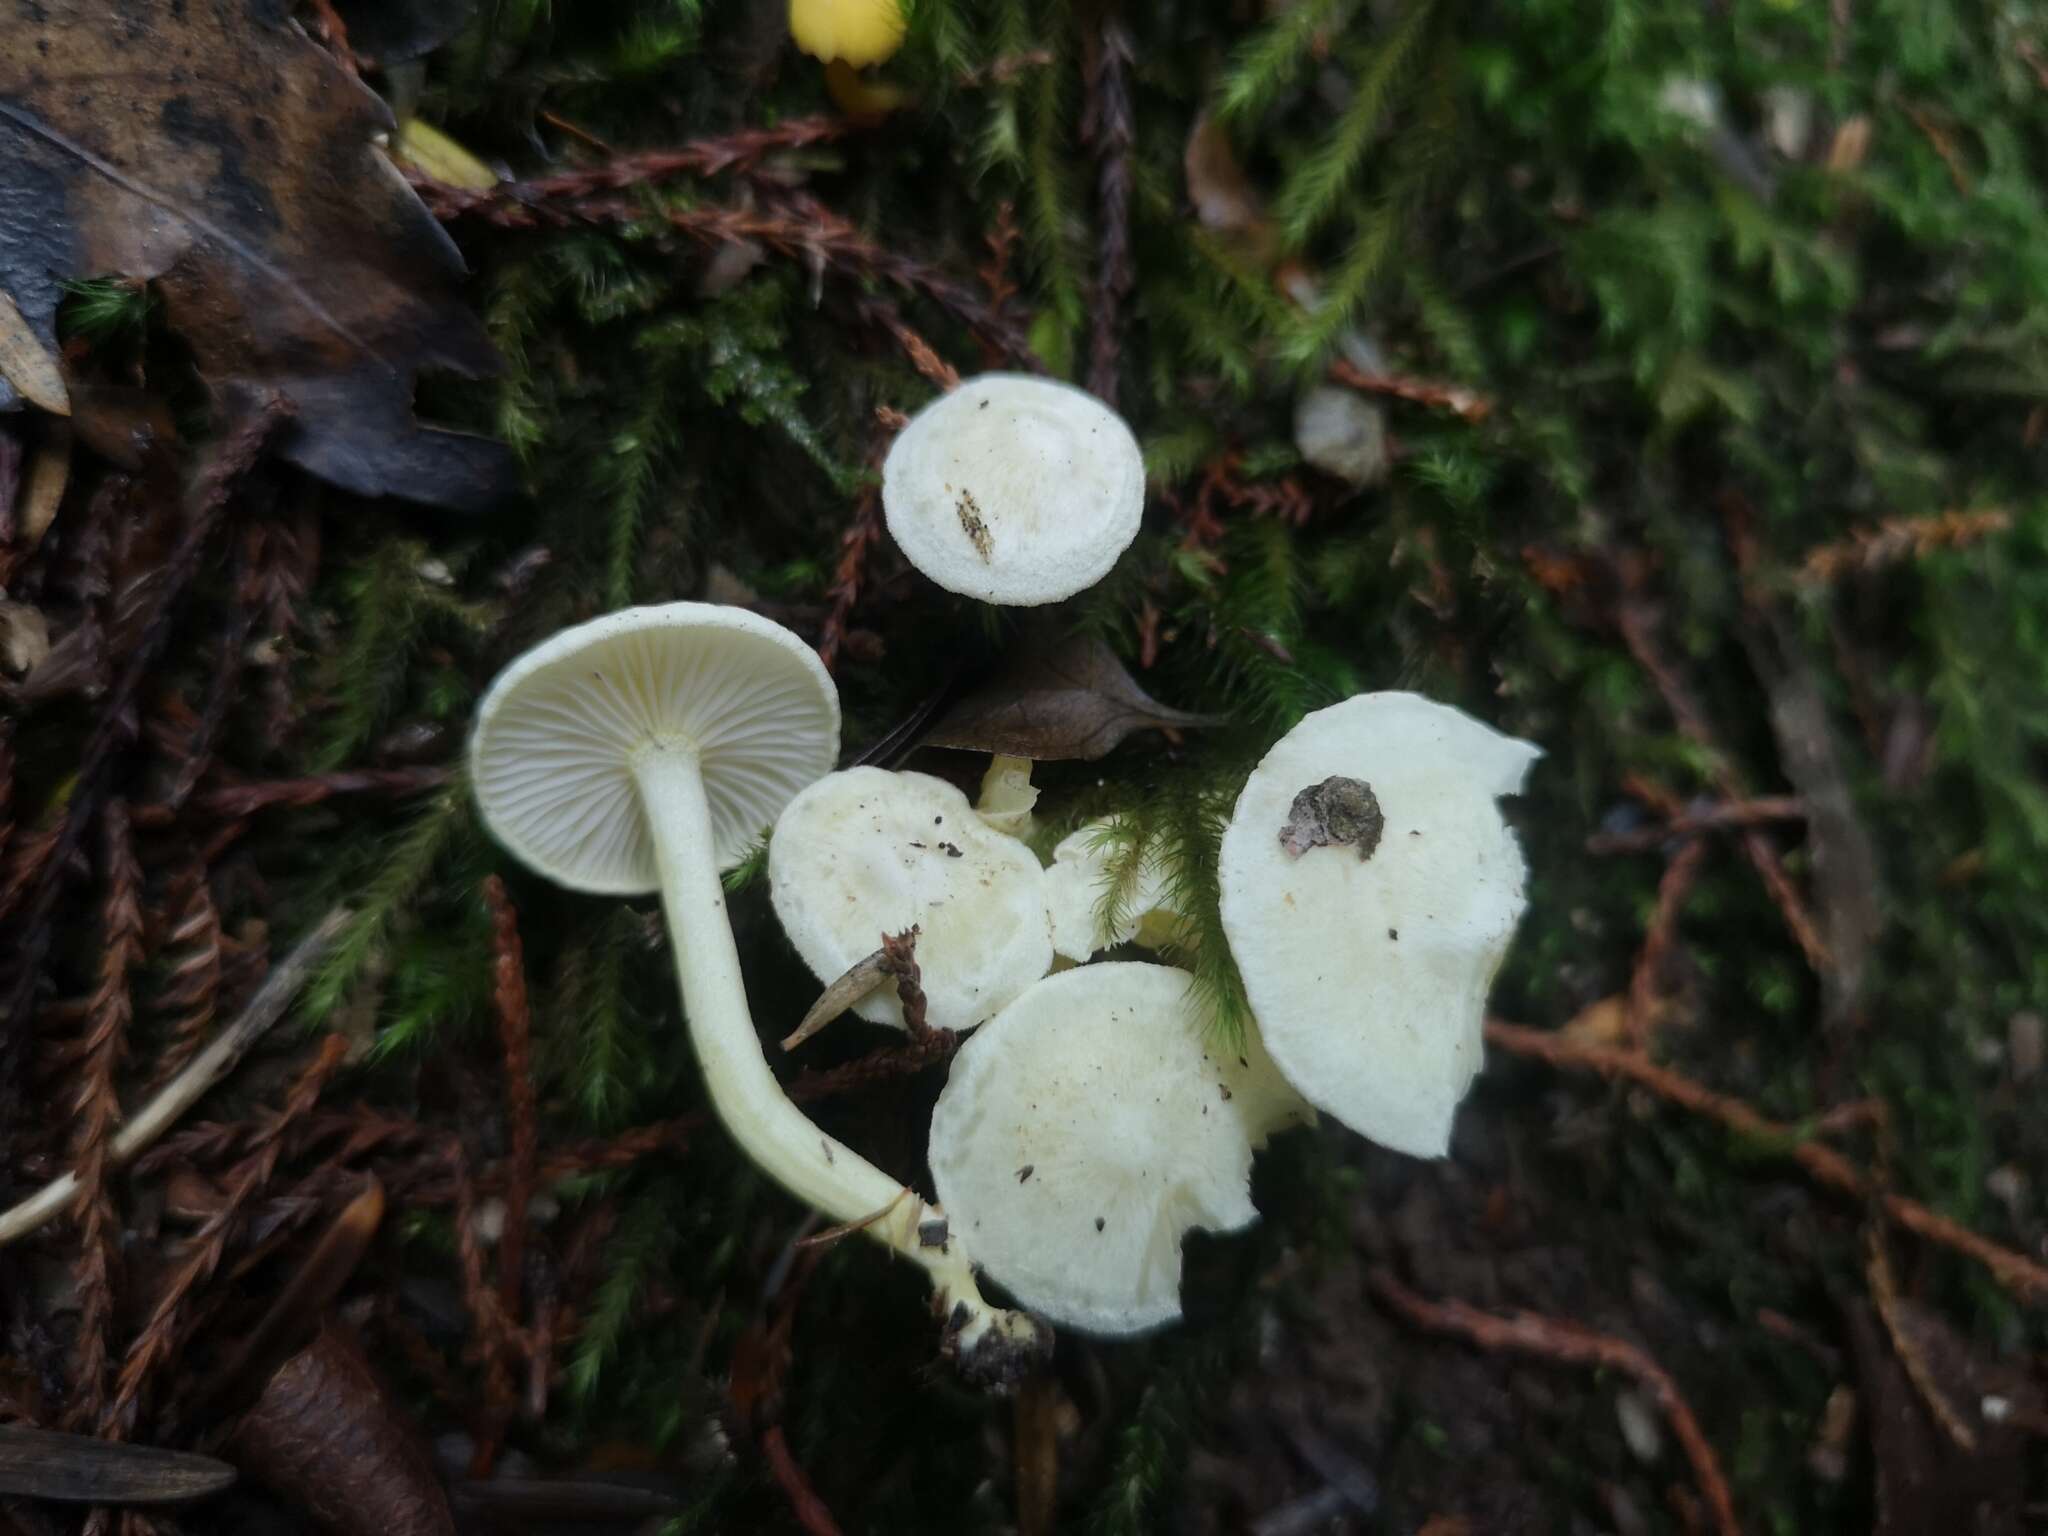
[1369, 889]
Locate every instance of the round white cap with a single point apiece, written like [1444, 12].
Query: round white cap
[1083, 1131]
[556, 737]
[866, 852]
[1370, 889]
[1014, 489]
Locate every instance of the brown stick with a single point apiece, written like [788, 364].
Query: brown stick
[1823, 1164]
[1646, 983]
[515, 1034]
[1634, 618]
[1690, 823]
[1455, 398]
[809, 1509]
[1531, 1333]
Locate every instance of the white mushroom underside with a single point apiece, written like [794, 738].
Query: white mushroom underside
[1369, 976]
[1081, 1133]
[864, 852]
[1014, 489]
[1078, 891]
[558, 732]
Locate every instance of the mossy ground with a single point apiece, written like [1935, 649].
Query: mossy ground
[1695, 344]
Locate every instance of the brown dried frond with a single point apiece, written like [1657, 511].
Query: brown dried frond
[1109, 125]
[96, 1111]
[167, 1330]
[1898, 539]
[862, 534]
[190, 996]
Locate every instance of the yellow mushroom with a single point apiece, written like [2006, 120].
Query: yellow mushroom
[855, 32]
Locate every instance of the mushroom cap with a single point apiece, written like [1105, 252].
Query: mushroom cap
[1014, 489]
[859, 32]
[1368, 975]
[1081, 1133]
[865, 852]
[557, 736]
[1077, 882]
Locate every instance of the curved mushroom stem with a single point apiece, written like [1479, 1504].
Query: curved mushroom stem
[992, 1345]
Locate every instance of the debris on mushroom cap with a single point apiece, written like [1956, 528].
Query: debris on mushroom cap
[556, 737]
[1077, 891]
[1082, 1132]
[865, 852]
[1007, 796]
[1014, 489]
[1369, 934]
[858, 32]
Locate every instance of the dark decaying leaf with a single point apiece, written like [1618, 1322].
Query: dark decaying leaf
[78, 1469]
[212, 147]
[1072, 700]
[328, 1440]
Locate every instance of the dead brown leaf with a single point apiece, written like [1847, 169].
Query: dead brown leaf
[216, 150]
[1073, 700]
[326, 1438]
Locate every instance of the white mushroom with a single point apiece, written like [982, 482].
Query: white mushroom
[646, 750]
[1014, 489]
[1370, 889]
[1086, 1128]
[1078, 893]
[866, 852]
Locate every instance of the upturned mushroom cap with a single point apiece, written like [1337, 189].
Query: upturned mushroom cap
[865, 852]
[557, 736]
[1014, 489]
[1077, 885]
[1370, 889]
[1083, 1131]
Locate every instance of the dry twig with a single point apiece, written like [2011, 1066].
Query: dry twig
[1531, 1333]
[2015, 1271]
[1466, 403]
[515, 1035]
[1659, 940]
[1637, 622]
[192, 1084]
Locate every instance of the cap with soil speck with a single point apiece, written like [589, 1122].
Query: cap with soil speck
[1367, 949]
[1014, 489]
